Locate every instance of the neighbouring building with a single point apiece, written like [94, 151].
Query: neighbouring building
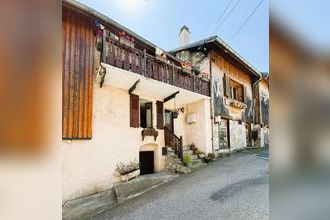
[232, 79]
[124, 98]
[260, 131]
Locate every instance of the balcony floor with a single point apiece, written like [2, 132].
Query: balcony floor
[124, 79]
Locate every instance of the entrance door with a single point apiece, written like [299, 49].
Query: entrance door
[169, 128]
[146, 162]
[169, 120]
[248, 135]
[224, 134]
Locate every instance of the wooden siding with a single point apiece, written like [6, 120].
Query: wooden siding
[77, 75]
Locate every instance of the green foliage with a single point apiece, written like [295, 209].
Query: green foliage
[123, 169]
[211, 155]
[186, 159]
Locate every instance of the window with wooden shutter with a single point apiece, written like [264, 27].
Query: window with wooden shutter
[244, 94]
[77, 75]
[160, 114]
[134, 111]
[226, 86]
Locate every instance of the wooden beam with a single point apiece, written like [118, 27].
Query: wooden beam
[171, 96]
[133, 87]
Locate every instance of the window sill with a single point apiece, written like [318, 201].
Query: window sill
[235, 103]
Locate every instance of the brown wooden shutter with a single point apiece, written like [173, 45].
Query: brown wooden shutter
[77, 75]
[134, 111]
[160, 114]
[226, 85]
[244, 94]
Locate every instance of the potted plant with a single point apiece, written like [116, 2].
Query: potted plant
[193, 147]
[127, 171]
[207, 159]
[186, 159]
[175, 114]
[211, 155]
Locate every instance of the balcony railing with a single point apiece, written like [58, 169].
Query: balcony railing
[138, 61]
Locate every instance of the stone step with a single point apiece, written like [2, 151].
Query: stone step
[190, 152]
[197, 160]
[195, 166]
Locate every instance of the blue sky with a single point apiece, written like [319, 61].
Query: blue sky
[160, 20]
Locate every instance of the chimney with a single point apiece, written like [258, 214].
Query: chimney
[184, 36]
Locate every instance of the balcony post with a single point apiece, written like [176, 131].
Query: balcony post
[104, 47]
[144, 62]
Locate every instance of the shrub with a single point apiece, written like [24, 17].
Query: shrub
[123, 169]
[193, 147]
[211, 155]
[186, 159]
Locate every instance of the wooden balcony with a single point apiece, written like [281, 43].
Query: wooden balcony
[138, 61]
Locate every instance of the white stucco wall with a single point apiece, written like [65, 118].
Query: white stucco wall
[237, 135]
[88, 165]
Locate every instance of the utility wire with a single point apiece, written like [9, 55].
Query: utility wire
[222, 14]
[248, 18]
[226, 16]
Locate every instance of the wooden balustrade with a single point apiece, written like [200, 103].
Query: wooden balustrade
[173, 141]
[137, 61]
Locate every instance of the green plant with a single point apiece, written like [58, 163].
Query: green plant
[186, 159]
[207, 159]
[123, 169]
[211, 155]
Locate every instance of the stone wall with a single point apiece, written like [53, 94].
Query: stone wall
[237, 135]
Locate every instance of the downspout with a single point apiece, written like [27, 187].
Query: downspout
[253, 97]
[211, 102]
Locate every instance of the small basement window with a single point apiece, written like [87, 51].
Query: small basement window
[237, 91]
[145, 114]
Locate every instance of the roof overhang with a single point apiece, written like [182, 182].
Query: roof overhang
[217, 43]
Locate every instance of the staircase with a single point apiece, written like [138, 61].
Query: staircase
[175, 152]
[196, 162]
[174, 163]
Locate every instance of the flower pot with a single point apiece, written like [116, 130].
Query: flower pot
[175, 114]
[131, 175]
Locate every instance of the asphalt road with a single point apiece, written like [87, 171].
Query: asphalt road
[229, 188]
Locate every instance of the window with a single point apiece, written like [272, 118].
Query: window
[145, 114]
[237, 91]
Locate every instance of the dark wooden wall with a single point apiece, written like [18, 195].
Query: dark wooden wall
[77, 74]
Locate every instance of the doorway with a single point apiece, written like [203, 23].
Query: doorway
[169, 128]
[224, 134]
[248, 135]
[146, 162]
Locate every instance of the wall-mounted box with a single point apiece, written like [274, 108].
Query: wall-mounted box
[191, 118]
[217, 119]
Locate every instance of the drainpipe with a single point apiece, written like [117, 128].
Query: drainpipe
[211, 101]
[253, 98]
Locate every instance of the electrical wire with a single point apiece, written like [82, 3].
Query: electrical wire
[248, 18]
[226, 17]
[222, 14]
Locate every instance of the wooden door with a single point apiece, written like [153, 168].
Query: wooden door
[224, 139]
[146, 162]
[248, 135]
[169, 128]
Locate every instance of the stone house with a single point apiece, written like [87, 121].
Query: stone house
[124, 98]
[232, 94]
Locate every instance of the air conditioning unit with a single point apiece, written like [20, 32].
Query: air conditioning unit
[191, 118]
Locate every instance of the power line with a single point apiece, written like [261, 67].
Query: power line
[226, 16]
[222, 14]
[248, 18]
